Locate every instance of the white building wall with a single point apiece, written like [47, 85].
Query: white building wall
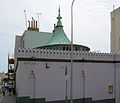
[50, 83]
[98, 77]
[22, 78]
[115, 31]
[117, 83]
[18, 42]
[100, 70]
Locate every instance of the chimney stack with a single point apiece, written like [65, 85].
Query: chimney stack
[36, 24]
[54, 26]
[29, 23]
[33, 22]
[33, 25]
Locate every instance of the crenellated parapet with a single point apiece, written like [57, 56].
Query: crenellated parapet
[60, 54]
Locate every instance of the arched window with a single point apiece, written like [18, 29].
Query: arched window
[67, 48]
[63, 48]
[70, 48]
[76, 48]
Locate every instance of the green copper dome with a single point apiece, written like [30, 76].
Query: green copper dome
[59, 37]
[59, 40]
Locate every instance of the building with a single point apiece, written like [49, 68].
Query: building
[115, 31]
[11, 70]
[3, 77]
[57, 40]
[43, 69]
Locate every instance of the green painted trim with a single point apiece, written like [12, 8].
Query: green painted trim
[28, 100]
[81, 100]
[41, 100]
[86, 100]
[105, 101]
[24, 99]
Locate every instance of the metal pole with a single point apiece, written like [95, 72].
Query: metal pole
[66, 80]
[38, 21]
[66, 91]
[25, 18]
[115, 66]
[83, 73]
[71, 78]
[38, 14]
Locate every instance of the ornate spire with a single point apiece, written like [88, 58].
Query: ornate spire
[59, 18]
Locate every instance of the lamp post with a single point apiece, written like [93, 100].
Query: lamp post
[83, 74]
[66, 80]
[71, 78]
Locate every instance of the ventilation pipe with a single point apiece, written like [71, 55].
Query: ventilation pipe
[54, 26]
[29, 23]
[36, 24]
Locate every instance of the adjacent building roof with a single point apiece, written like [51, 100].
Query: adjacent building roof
[33, 39]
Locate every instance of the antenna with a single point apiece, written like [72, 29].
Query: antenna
[25, 18]
[33, 19]
[113, 7]
[38, 14]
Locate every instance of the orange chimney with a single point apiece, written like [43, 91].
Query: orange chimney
[36, 24]
[31, 24]
[54, 26]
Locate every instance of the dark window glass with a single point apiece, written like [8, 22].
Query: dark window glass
[66, 48]
[76, 48]
[63, 48]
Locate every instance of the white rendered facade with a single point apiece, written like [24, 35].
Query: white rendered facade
[40, 73]
[101, 71]
[115, 31]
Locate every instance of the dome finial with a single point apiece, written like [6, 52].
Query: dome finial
[59, 17]
[59, 11]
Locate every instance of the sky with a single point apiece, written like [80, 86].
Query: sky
[91, 22]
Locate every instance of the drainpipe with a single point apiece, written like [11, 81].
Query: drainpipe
[115, 76]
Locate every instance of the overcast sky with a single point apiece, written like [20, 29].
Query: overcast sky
[91, 22]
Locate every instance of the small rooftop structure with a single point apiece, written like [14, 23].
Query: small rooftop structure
[33, 25]
[59, 40]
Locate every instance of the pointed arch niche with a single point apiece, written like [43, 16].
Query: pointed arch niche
[32, 84]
